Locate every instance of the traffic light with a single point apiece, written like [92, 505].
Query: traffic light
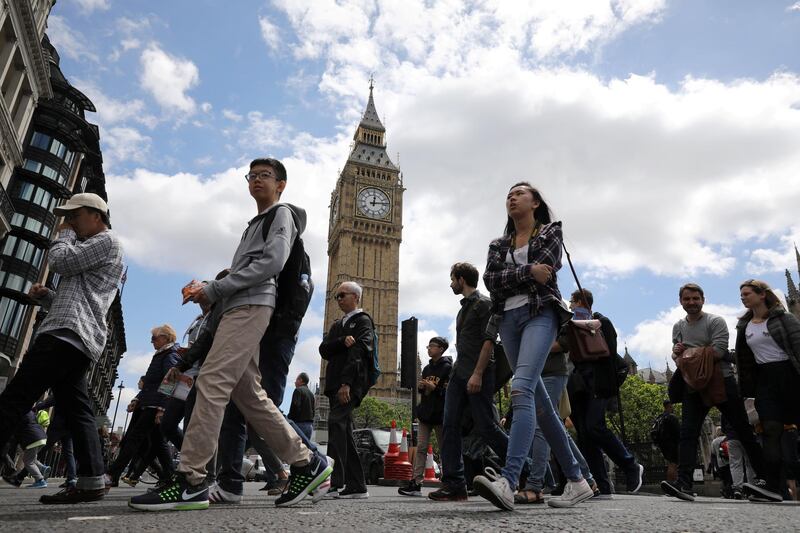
[408, 353]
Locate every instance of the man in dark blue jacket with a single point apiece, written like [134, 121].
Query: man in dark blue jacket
[348, 349]
[150, 401]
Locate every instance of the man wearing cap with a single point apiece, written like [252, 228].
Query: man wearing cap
[88, 257]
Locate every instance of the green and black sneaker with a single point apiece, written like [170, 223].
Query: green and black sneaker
[177, 495]
[305, 479]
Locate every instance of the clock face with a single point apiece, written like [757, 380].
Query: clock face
[335, 210]
[373, 202]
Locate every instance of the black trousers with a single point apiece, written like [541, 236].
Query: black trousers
[57, 365]
[692, 417]
[347, 470]
[136, 438]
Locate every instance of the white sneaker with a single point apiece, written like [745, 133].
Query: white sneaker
[574, 492]
[496, 489]
[217, 494]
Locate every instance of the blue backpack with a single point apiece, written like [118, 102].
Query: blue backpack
[374, 369]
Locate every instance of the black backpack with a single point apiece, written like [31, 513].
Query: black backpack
[295, 286]
[657, 429]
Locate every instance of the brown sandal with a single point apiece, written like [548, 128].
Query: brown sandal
[528, 496]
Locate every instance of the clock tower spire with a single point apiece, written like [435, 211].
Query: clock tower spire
[364, 235]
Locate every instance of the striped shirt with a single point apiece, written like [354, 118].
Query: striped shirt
[90, 270]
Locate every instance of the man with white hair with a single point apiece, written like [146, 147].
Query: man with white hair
[348, 350]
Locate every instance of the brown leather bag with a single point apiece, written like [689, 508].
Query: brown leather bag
[586, 340]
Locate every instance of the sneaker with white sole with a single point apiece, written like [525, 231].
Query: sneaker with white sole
[217, 494]
[574, 493]
[634, 478]
[354, 494]
[304, 479]
[177, 495]
[758, 491]
[496, 489]
[321, 492]
[38, 484]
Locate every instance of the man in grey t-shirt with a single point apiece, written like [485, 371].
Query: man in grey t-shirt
[699, 329]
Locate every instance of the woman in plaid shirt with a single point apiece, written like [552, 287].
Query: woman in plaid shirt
[521, 278]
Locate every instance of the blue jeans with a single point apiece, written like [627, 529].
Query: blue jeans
[274, 360]
[527, 341]
[483, 415]
[540, 451]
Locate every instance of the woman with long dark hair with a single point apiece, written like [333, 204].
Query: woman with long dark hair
[521, 277]
[768, 361]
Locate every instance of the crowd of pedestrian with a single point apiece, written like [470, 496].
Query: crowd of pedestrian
[226, 382]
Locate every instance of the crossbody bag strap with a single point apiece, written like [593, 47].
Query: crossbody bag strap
[575, 275]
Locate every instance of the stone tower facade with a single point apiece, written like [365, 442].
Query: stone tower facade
[364, 235]
[792, 294]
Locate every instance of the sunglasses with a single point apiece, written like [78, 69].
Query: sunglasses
[341, 295]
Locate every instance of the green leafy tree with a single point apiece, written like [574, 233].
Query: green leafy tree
[642, 402]
[375, 413]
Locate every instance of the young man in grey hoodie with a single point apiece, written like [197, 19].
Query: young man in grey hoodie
[230, 372]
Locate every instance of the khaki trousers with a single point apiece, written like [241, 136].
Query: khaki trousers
[230, 373]
[423, 438]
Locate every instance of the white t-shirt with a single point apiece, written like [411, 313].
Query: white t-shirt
[763, 345]
[521, 258]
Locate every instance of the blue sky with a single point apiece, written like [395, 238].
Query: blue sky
[663, 133]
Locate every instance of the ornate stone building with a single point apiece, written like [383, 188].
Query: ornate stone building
[24, 80]
[61, 157]
[365, 231]
[792, 294]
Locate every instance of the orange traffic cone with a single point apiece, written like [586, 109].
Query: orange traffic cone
[394, 446]
[403, 456]
[430, 472]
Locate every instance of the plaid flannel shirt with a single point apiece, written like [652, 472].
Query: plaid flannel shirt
[505, 280]
[90, 271]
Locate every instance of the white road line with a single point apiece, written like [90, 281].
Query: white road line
[83, 518]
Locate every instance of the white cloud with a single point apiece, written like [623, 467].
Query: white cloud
[69, 42]
[87, 6]
[135, 364]
[112, 111]
[168, 78]
[123, 144]
[232, 115]
[793, 7]
[270, 33]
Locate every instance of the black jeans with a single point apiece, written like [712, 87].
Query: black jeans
[174, 411]
[347, 469]
[136, 438]
[483, 415]
[594, 438]
[694, 413]
[57, 365]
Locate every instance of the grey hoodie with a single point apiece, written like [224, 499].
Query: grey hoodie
[257, 262]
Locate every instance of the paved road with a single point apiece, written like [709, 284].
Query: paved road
[385, 511]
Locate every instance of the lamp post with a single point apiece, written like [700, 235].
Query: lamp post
[114, 421]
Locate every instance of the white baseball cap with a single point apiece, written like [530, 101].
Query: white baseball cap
[84, 199]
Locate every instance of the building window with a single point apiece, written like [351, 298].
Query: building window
[40, 140]
[45, 170]
[23, 250]
[31, 224]
[11, 315]
[36, 195]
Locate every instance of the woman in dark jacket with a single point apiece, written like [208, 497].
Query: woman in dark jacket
[768, 361]
[150, 402]
[30, 437]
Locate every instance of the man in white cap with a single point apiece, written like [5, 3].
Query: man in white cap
[88, 258]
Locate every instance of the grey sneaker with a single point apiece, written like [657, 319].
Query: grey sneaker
[757, 491]
[574, 493]
[496, 489]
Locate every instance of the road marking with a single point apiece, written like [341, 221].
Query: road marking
[722, 508]
[82, 518]
[612, 509]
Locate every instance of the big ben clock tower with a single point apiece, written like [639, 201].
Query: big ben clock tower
[365, 229]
